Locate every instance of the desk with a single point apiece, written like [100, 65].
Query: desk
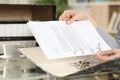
[24, 69]
[20, 69]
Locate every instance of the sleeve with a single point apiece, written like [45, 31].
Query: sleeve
[113, 42]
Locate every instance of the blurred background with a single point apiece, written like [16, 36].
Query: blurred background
[105, 12]
[14, 14]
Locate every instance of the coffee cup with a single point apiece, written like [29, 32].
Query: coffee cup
[10, 51]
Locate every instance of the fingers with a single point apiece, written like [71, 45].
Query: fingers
[70, 16]
[108, 55]
[116, 50]
[67, 14]
[108, 52]
[105, 55]
[111, 52]
[103, 58]
[76, 17]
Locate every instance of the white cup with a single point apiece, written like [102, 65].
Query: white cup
[10, 51]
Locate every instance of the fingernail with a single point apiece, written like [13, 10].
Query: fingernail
[68, 22]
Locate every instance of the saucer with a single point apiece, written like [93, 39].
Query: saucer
[11, 58]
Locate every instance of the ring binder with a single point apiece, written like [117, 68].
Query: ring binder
[56, 37]
[84, 63]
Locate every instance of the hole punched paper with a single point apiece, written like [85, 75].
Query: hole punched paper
[77, 41]
[59, 40]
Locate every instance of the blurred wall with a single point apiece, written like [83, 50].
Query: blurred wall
[18, 1]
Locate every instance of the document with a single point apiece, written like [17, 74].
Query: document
[59, 40]
[64, 49]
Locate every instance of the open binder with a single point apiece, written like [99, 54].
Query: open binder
[64, 49]
[59, 40]
[57, 67]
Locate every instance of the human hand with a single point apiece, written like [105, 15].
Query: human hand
[108, 55]
[71, 15]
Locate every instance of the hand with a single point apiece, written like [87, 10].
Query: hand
[108, 55]
[70, 16]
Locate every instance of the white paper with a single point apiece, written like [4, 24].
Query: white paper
[59, 40]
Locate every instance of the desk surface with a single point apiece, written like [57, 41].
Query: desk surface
[20, 69]
[24, 69]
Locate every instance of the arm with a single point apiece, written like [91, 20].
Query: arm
[71, 15]
[111, 41]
